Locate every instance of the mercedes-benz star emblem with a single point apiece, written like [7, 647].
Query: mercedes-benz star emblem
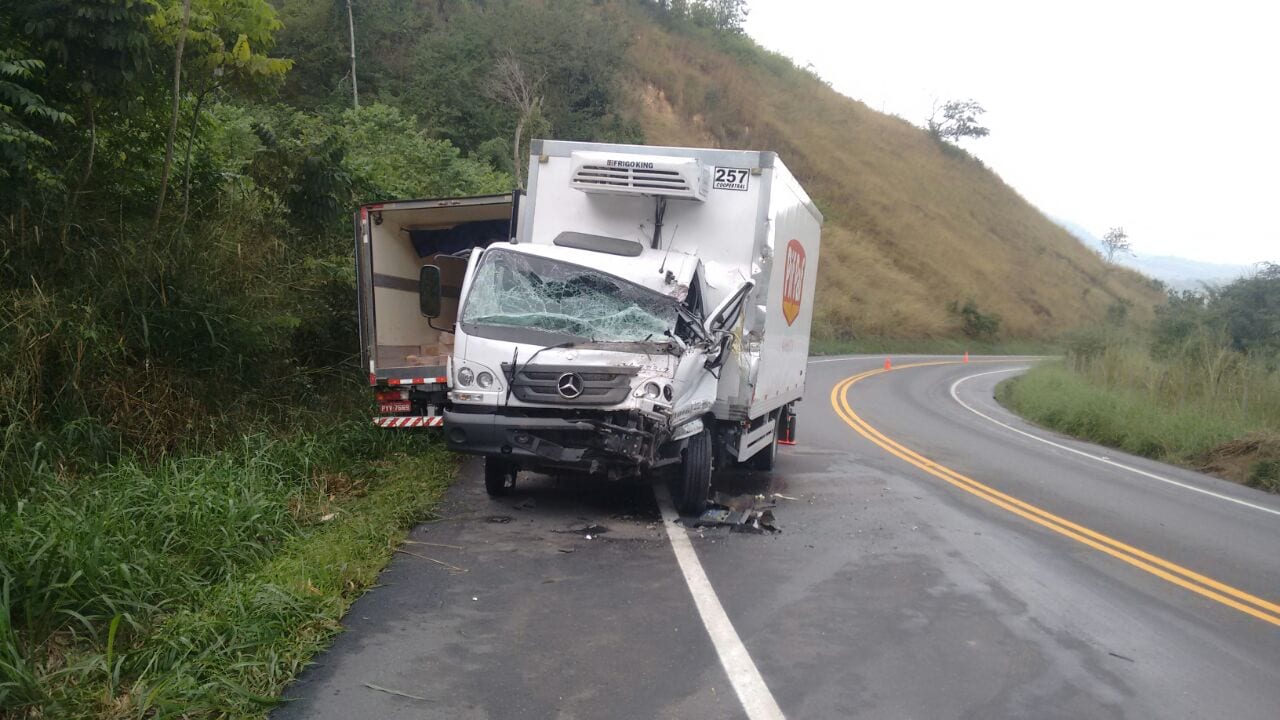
[569, 385]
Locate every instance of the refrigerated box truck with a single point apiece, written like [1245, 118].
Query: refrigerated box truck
[641, 312]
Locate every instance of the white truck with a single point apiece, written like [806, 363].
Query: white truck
[640, 312]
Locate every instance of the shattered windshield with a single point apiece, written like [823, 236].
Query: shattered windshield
[552, 297]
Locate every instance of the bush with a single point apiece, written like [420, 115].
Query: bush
[1265, 475]
[974, 323]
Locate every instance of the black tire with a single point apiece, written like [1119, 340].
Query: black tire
[695, 475]
[499, 476]
[765, 459]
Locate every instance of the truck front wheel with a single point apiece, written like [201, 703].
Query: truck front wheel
[499, 476]
[695, 475]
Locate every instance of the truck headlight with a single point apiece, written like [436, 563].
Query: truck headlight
[484, 379]
[652, 391]
[466, 376]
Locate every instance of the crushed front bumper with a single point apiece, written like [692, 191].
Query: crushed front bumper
[588, 442]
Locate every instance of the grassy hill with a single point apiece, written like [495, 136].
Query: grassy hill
[912, 224]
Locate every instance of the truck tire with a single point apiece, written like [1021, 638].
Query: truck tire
[765, 459]
[499, 476]
[695, 475]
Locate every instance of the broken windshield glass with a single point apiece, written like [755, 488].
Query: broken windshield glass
[552, 297]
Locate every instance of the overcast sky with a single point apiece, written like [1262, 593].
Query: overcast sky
[1157, 117]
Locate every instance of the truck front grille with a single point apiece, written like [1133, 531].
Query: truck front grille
[594, 385]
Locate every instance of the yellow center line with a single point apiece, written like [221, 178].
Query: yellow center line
[1171, 572]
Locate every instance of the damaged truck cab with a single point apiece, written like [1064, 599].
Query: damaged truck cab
[647, 315]
[589, 355]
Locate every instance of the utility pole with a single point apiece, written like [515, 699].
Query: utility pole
[351, 27]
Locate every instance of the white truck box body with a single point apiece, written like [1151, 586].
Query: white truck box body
[741, 213]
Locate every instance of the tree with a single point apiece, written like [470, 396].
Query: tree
[233, 38]
[1116, 241]
[22, 111]
[726, 15]
[351, 30]
[510, 85]
[173, 116]
[1250, 310]
[959, 120]
[97, 55]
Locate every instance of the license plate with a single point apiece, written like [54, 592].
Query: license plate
[391, 408]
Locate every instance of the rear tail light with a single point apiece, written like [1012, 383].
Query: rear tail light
[392, 395]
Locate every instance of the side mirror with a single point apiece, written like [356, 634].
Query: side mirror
[429, 291]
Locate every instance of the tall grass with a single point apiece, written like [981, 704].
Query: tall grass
[1201, 373]
[1202, 405]
[197, 584]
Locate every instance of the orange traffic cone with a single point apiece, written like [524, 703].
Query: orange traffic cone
[887, 364]
[788, 436]
[966, 356]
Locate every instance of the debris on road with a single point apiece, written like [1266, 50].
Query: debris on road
[526, 504]
[586, 531]
[451, 568]
[427, 544]
[498, 519]
[744, 513]
[390, 691]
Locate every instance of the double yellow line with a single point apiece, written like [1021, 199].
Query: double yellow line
[1161, 568]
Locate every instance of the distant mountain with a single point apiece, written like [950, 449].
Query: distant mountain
[1176, 272]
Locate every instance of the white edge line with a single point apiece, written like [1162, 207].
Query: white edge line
[1091, 456]
[754, 695]
[845, 358]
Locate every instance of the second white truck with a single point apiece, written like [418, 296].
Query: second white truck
[642, 311]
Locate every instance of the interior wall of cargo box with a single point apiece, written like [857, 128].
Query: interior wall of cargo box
[403, 242]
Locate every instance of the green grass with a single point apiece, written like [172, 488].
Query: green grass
[931, 346]
[199, 586]
[1148, 420]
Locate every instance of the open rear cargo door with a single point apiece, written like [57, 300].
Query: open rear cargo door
[394, 240]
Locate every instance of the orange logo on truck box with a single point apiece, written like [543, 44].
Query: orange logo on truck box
[792, 281]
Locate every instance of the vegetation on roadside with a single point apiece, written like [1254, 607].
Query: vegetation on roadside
[1202, 389]
[197, 586]
[189, 492]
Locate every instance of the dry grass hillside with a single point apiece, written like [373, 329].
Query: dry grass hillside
[911, 225]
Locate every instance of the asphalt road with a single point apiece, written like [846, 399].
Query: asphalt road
[938, 561]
